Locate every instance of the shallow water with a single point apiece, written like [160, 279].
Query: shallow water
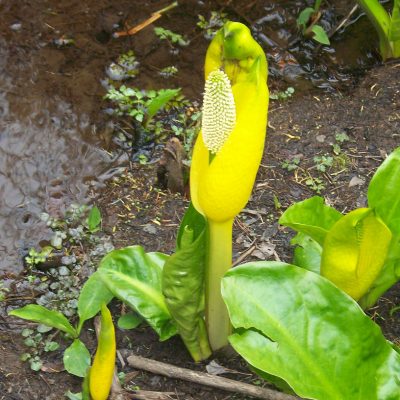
[47, 158]
[306, 64]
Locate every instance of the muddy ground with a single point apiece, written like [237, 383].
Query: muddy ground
[134, 211]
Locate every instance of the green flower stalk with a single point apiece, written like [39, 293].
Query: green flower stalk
[227, 154]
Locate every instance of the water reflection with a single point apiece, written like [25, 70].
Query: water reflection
[47, 159]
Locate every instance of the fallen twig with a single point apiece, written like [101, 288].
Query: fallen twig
[244, 255]
[343, 21]
[202, 378]
[154, 17]
[147, 395]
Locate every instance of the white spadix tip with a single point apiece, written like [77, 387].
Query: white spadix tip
[219, 111]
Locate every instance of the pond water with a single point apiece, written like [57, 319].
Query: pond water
[50, 124]
[47, 158]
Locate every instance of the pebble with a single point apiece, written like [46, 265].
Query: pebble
[63, 271]
[356, 181]
[148, 228]
[16, 26]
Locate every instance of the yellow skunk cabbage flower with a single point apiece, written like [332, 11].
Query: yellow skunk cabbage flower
[222, 187]
[354, 251]
[227, 153]
[102, 370]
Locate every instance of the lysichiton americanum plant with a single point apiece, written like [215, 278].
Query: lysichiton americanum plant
[181, 293]
[296, 328]
[227, 154]
[360, 251]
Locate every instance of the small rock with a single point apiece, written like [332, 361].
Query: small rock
[258, 254]
[321, 138]
[68, 260]
[63, 271]
[16, 26]
[148, 228]
[356, 181]
[214, 368]
[267, 248]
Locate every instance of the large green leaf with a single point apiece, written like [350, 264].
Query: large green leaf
[378, 16]
[298, 326]
[308, 252]
[394, 31]
[42, 315]
[354, 252]
[135, 278]
[183, 288]
[93, 294]
[384, 197]
[77, 359]
[312, 217]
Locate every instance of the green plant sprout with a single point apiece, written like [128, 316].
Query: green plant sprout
[212, 25]
[284, 95]
[139, 104]
[340, 138]
[58, 290]
[291, 164]
[307, 22]
[171, 37]
[160, 114]
[315, 184]
[125, 67]
[168, 72]
[35, 341]
[322, 163]
[387, 26]
[35, 257]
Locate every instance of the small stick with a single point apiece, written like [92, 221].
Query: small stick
[244, 255]
[154, 17]
[171, 371]
[146, 395]
[343, 21]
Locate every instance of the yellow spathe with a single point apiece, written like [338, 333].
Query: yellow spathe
[222, 187]
[102, 370]
[354, 251]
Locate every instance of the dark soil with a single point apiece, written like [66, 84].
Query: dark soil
[136, 212]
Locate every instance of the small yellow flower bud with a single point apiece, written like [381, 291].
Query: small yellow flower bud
[219, 112]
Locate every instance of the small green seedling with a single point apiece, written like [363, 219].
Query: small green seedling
[291, 165]
[307, 22]
[284, 95]
[322, 163]
[171, 37]
[35, 257]
[315, 184]
[211, 26]
[168, 72]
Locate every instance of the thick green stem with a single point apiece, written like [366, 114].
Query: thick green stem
[219, 260]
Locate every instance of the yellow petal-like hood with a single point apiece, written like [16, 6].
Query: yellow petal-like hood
[221, 188]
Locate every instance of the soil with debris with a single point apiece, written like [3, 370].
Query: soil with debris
[135, 211]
